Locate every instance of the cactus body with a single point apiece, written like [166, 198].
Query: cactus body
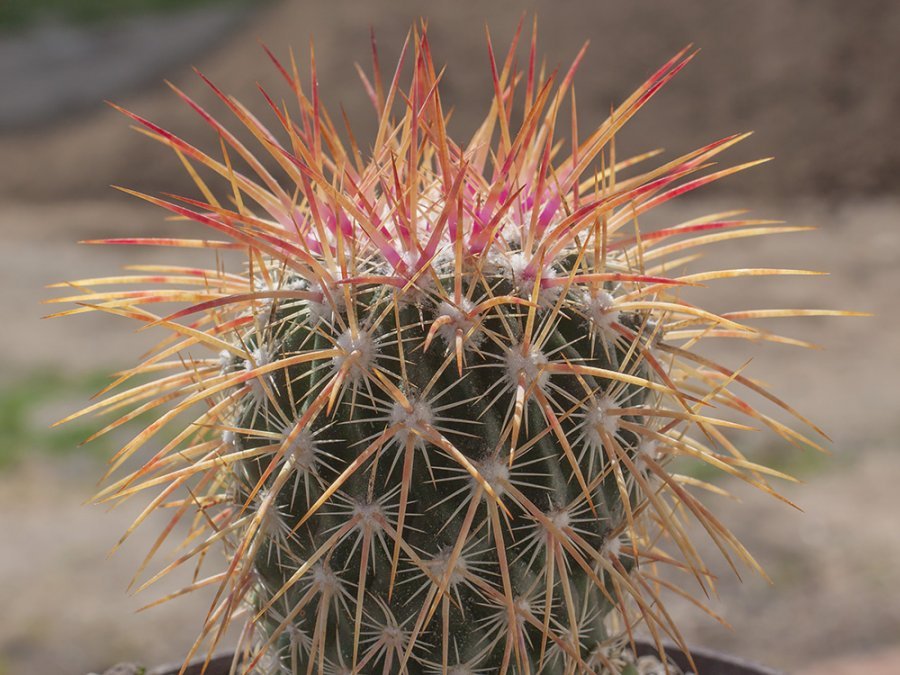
[429, 465]
[438, 404]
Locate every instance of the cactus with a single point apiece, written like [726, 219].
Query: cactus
[435, 413]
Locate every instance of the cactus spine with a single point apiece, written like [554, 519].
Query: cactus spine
[450, 382]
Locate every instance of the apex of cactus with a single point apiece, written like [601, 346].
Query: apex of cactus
[433, 414]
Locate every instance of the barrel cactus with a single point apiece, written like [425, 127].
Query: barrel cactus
[434, 412]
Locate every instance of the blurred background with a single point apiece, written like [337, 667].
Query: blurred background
[816, 80]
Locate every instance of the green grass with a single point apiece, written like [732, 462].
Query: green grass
[23, 432]
[30, 404]
[19, 13]
[801, 464]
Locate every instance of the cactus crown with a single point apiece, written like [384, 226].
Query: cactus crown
[434, 411]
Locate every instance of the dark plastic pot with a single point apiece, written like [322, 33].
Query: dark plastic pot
[707, 662]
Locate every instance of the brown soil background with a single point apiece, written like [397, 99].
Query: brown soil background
[816, 80]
